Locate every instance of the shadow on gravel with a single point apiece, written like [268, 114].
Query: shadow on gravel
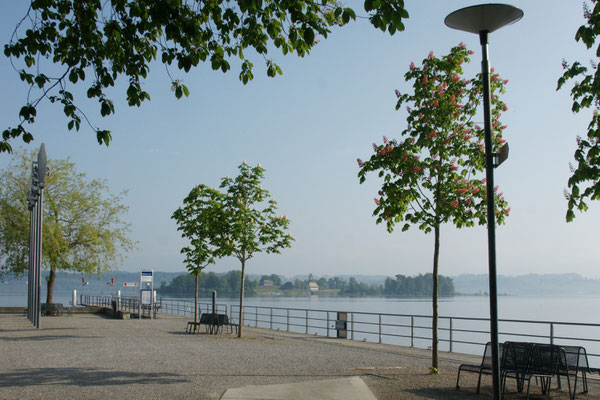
[84, 377]
[445, 393]
[42, 338]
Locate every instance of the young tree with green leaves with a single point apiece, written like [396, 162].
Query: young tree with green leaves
[198, 222]
[250, 224]
[83, 227]
[430, 175]
[584, 182]
[59, 44]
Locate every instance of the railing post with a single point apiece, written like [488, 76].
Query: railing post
[412, 331]
[306, 321]
[327, 323]
[551, 333]
[288, 320]
[380, 328]
[450, 334]
[256, 317]
[270, 318]
[351, 326]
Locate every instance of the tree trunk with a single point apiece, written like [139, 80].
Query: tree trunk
[241, 321]
[434, 302]
[196, 300]
[50, 285]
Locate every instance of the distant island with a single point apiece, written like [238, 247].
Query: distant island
[181, 284]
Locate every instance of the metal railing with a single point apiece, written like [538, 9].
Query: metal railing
[455, 334]
[168, 306]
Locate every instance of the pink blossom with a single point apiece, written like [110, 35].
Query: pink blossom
[453, 160]
[424, 80]
[375, 148]
[398, 94]
[435, 156]
[495, 78]
[467, 137]
[454, 133]
[503, 127]
[360, 162]
[492, 70]
[462, 45]
[495, 189]
[500, 140]
[452, 98]
[461, 91]
[495, 123]
[454, 204]
[420, 115]
[471, 52]
[412, 66]
[458, 106]
[430, 56]
[436, 103]
[505, 107]
[404, 157]
[469, 201]
[416, 158]
[455, 78]
[461, 191]
[376, 200]
[478, 127]
[385, 140]
[454, 168]
[432, 134]
[476, 190]
[441, 89]
[484, 180]
[508, 211]
[505, 81]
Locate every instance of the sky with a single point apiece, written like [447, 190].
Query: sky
[308, 127]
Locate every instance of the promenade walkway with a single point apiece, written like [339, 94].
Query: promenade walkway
[87, 356]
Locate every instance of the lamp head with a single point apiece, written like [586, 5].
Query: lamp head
[483, 17]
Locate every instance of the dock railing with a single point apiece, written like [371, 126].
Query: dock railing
[456, 334]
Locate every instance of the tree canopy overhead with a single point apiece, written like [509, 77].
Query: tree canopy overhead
[62, 43]
[584, 182]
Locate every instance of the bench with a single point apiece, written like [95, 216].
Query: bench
[214, 323]
[54, 309]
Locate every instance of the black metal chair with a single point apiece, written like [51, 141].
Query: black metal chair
[484, 368]
[515, 361]
[574, 362]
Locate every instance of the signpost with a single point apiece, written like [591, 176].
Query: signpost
[146, 291]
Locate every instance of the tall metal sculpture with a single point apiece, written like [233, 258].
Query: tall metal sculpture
[35, 204]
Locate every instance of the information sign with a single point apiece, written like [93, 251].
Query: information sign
[132, 284]
[146, 276]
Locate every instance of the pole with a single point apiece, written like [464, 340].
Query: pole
[491, 221]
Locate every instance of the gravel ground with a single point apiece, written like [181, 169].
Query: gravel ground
[92, 357]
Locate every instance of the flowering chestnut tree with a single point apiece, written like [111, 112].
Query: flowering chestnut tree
[584, 182]
[431, 175]
[198, 221]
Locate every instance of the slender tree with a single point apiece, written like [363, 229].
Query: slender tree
[61, 43]
[83, 229]
[430, 176]
[198, 222]
[584, 182]
[250, 224]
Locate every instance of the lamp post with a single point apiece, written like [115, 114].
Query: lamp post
[482, 20]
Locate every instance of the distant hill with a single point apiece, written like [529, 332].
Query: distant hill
[531, 284]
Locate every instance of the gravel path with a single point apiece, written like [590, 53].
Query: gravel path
[91, 357]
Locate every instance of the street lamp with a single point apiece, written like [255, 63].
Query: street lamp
[482, 20]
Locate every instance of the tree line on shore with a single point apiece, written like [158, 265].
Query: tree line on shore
[229, 284]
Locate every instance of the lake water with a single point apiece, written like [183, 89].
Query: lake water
[396, 330]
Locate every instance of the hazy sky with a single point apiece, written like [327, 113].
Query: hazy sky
[307, 128]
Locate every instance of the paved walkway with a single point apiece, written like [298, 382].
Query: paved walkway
[91, 357]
